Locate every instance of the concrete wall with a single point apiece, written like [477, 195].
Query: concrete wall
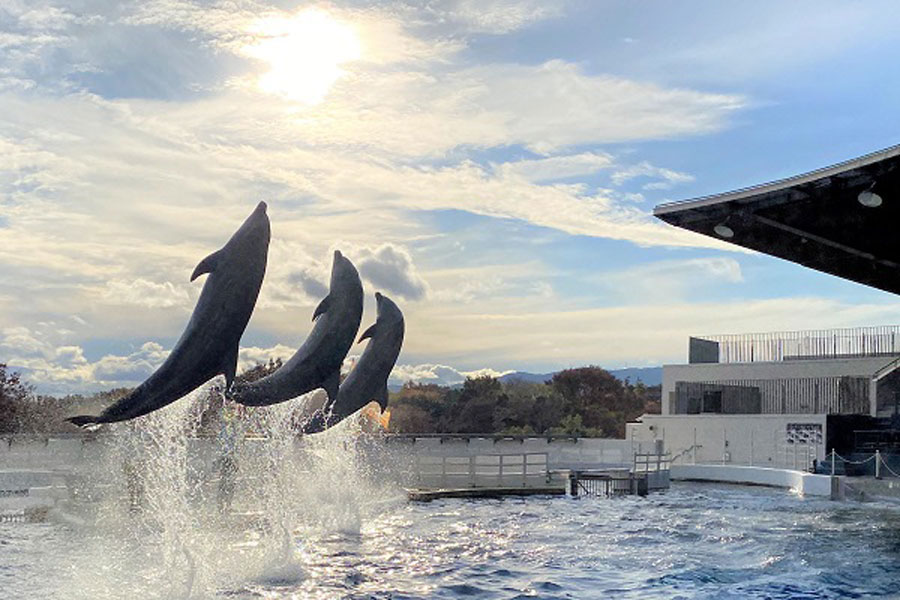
[28, 463]
[760, 440]
[789, 369]
[561, 452]
[801, 483]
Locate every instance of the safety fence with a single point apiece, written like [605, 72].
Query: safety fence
[794, 456]
[482, 470]
[794, 345]
[876, 464]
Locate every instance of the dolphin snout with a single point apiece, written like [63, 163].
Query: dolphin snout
[337, 254]
[261, 207]
[378, 296]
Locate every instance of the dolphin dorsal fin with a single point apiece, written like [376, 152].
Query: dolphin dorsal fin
[207, 265]
[322, 308]
[368, 332]
[331, 385]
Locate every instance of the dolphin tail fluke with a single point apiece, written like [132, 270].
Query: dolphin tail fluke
[84, 420]
[332, 384]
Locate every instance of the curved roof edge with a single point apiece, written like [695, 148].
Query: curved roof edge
[780, 184]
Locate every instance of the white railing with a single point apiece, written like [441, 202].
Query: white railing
[482, 471]
[650, 463]
[797, 457]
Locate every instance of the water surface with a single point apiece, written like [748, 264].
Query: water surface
[694, 541]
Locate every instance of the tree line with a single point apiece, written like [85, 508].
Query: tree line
[586, 401]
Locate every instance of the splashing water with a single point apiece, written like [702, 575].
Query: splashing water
[172, 511]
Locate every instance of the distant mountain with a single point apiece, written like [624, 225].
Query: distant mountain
[449, 377]
[649, 376]
[526, 377]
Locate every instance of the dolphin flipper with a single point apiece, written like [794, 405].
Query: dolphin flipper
[332, 384]
[207, 265]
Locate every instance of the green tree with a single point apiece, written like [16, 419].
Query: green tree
[473, 410]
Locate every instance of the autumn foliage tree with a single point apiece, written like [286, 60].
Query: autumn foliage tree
[585, 401]
[15, 396]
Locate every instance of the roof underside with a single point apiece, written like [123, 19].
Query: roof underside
[813, 219]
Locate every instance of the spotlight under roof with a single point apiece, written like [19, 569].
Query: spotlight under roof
[723, 230]
[869, 199]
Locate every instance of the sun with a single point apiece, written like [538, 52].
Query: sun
[304, 53]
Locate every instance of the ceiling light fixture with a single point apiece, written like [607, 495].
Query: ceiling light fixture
[723, 230]
[869, 198]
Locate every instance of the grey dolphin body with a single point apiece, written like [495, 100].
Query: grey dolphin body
[209, 344]
[368, 379]
[317, 363]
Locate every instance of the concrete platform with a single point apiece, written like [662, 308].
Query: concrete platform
[798, 481]
[429, 495]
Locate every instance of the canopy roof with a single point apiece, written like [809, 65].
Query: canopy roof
[817, 219]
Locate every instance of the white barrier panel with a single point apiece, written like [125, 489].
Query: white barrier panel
[807, 484]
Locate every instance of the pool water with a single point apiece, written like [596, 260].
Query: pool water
[694, 541]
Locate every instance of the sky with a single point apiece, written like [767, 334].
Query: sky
[491, 165]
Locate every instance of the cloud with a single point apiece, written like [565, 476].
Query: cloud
[545, 338]
[498, 16]
[666, 178]
[390, 268]
[135, 141]
[310, 282]
[669, 280]
[149, 294]
[437, 374]
[132, 368]
[556, 167]
[249, 357]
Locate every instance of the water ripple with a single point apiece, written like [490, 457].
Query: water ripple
[695, 541]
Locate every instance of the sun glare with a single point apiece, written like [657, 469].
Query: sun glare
[304, 53]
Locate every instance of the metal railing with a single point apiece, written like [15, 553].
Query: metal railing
[881, 340]
[880, 466]
[795, 456]
[650, 463]
[482, 470]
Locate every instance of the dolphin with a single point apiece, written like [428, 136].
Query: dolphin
[368, 379]
[209, 344]
[317, 363]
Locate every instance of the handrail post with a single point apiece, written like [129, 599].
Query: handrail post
[877, 464]
[751, 446]
[832, 462]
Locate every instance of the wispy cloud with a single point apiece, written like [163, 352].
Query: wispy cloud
[135, 139]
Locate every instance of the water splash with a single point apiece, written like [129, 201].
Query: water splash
[181, 505]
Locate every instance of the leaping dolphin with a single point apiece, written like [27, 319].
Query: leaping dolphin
[318, 361]
[209, 345]
[368, 379]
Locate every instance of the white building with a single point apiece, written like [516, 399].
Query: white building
[770, 398]
[765, 398]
